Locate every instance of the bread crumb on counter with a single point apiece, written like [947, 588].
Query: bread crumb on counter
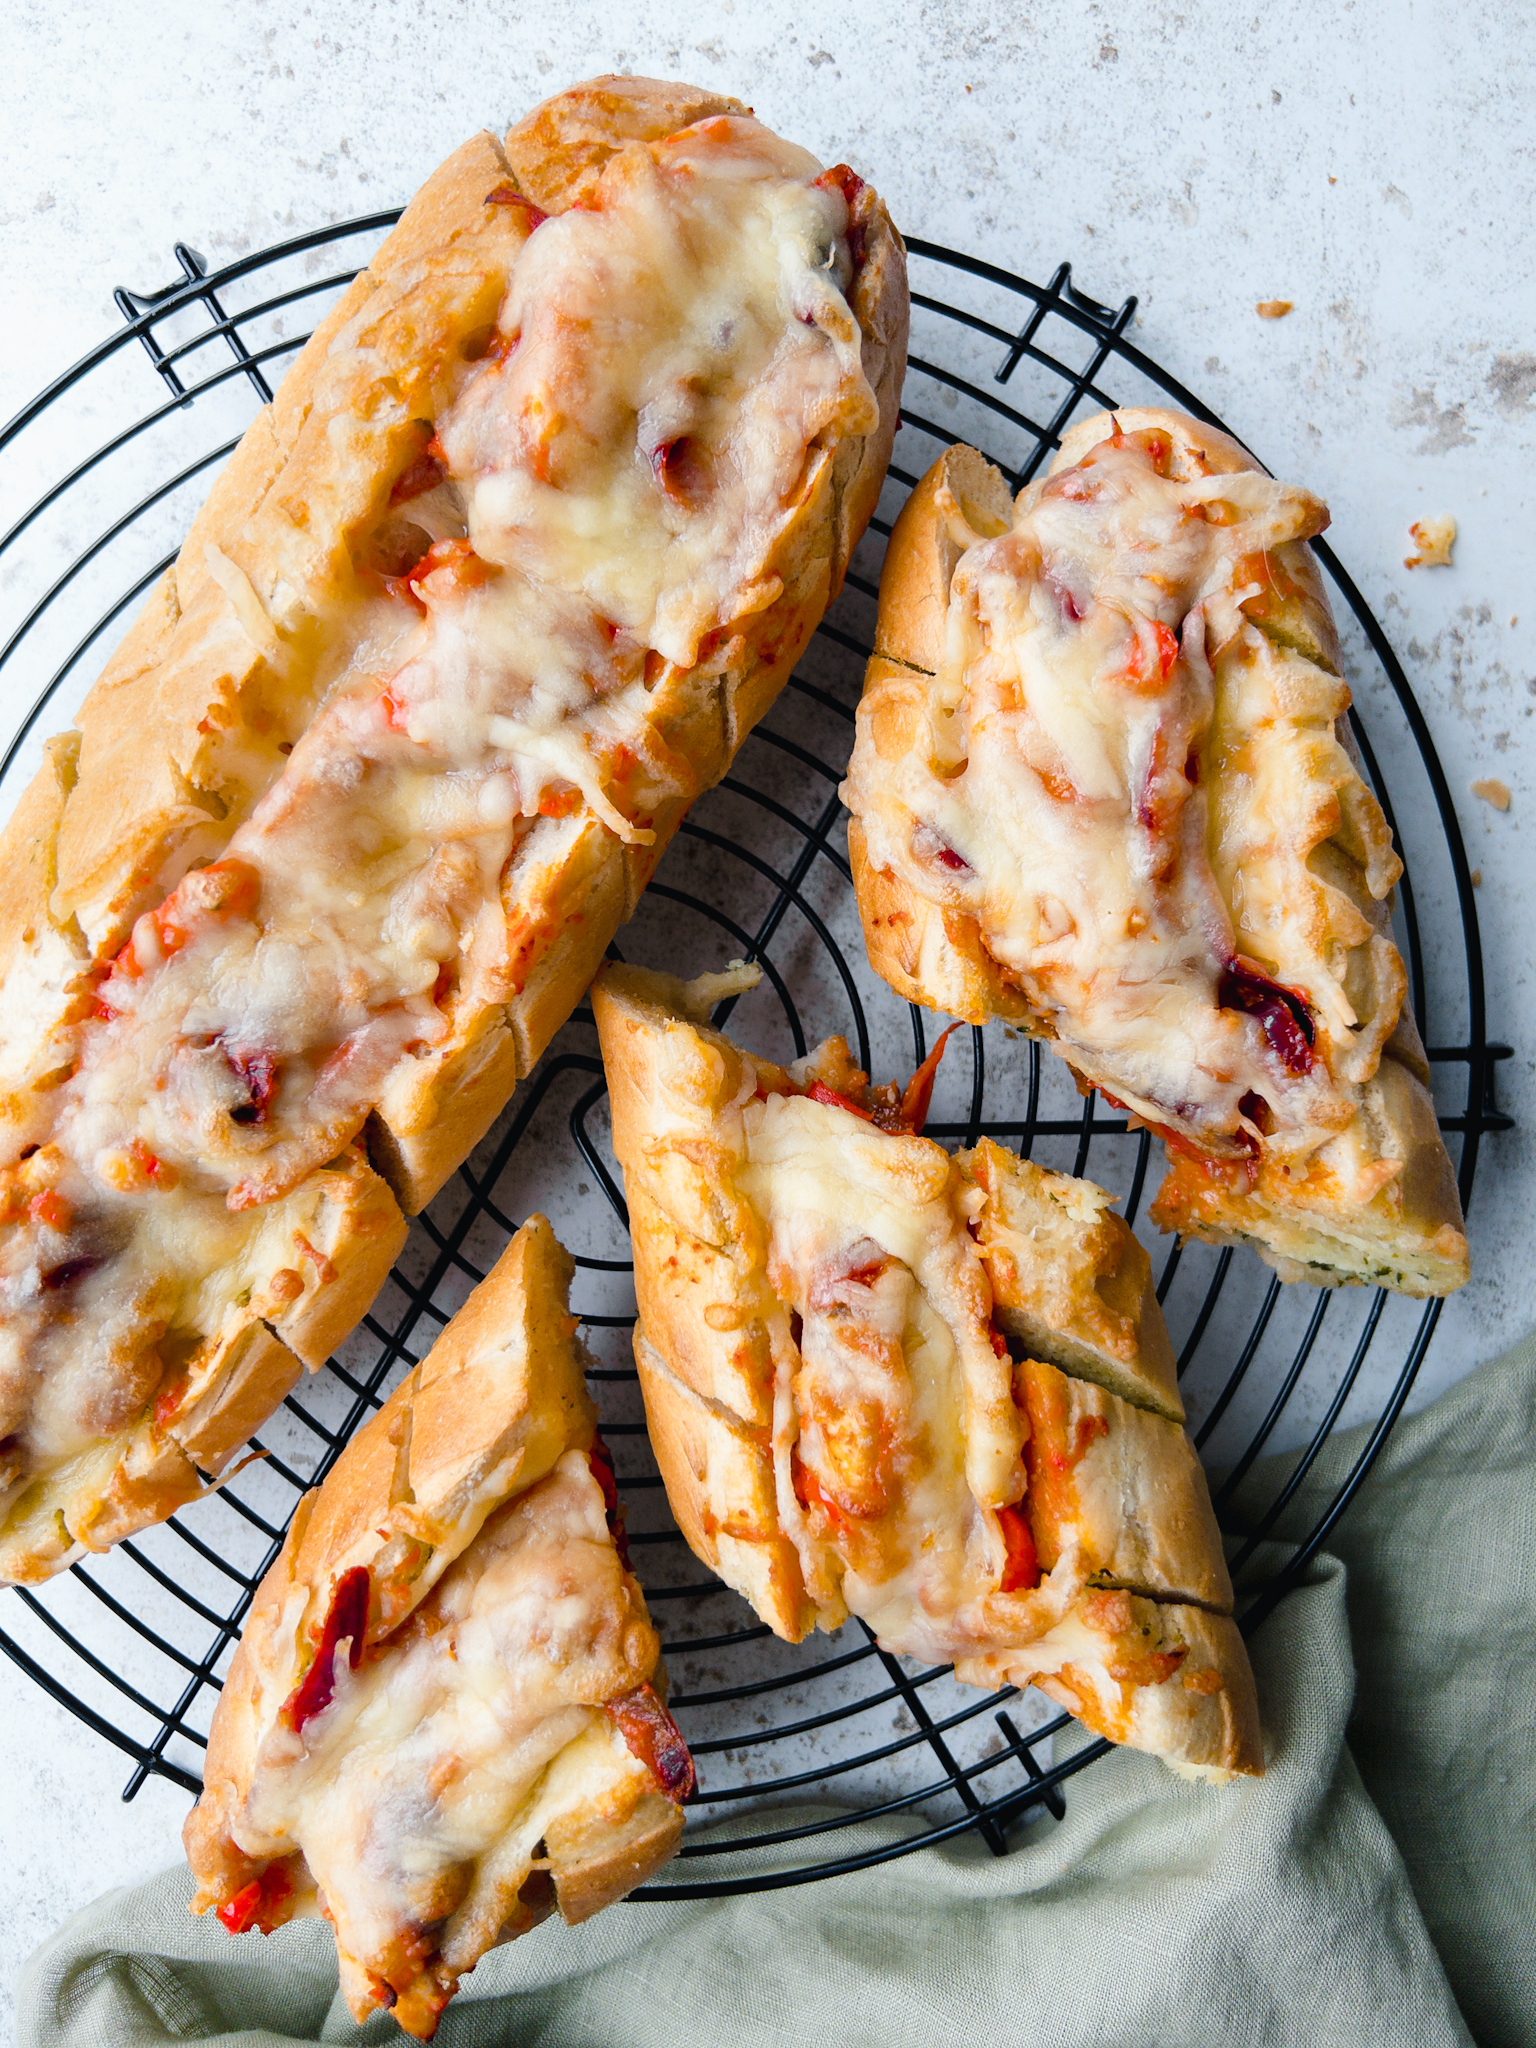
[1273, 309]
[1435, 538]
[1492, 791]
[1477, 878]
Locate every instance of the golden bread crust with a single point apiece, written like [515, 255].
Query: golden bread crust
[719, 1476]
[1296, 839]
[1070, 1282]
[557, 152]
[1124, 1486]
[960, 500]
[1200, 1715]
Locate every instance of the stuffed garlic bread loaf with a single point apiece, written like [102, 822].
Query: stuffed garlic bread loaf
[443, 1719]
[531, 536]
[1103, 787]
[826, 1299]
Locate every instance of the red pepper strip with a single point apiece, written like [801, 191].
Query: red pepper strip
[820, 1092]
[258, 1073]
[841, 179]
[1283, 1013]
[655, 1738]
[229, 888]
[508, 195]
[237, 1914]
[600, 1463]
[1021, 1567]
[424, 474]
[918, 1093]
[469, 569]
[347, 1617]
[259, 1904]
[811, 1494]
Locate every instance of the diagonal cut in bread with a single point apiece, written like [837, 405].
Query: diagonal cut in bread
[444, 1716]
[1103, 786]
[531, 536]
[830, 1308]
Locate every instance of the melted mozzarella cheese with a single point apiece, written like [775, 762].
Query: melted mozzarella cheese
[625, 460]
[718, 329]
[431, 1753]
[1059, 800]
[894, 1422]
[811, 1159]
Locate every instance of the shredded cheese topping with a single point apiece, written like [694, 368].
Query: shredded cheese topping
[1121, 782]
[419, 1784]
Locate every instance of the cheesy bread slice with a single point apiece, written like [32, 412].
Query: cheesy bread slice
[444, 1717]
[1103, 785]
[532, 535]
[836, 1411]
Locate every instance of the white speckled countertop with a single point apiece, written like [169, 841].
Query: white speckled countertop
[1372, 164]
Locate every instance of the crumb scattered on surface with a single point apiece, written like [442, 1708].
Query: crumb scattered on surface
[1514, 618]
[1434, 538]
[1492, 791]
[1332, 179]
[1477, 878]
[1273, 309]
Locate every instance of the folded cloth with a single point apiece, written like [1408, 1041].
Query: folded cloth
[1157, 1912]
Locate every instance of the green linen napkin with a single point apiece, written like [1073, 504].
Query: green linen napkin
[1307, 1908]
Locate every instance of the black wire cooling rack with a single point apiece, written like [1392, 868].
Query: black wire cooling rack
[103, 486]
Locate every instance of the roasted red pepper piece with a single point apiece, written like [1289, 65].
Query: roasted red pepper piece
[1021, 1567]
[810, 1493]
[841, 179]
[258, 1072]
[655, 1738]
[508, 195]
[228, 888]
[918, 1093]
[458, 556]
[1146, 671]
[818, 1091]
[260, 1904]
[1284, 1018]
[600, 1462]
[424, 474]
[347, 1617]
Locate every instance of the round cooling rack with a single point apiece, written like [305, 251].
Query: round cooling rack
[796, 1745]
